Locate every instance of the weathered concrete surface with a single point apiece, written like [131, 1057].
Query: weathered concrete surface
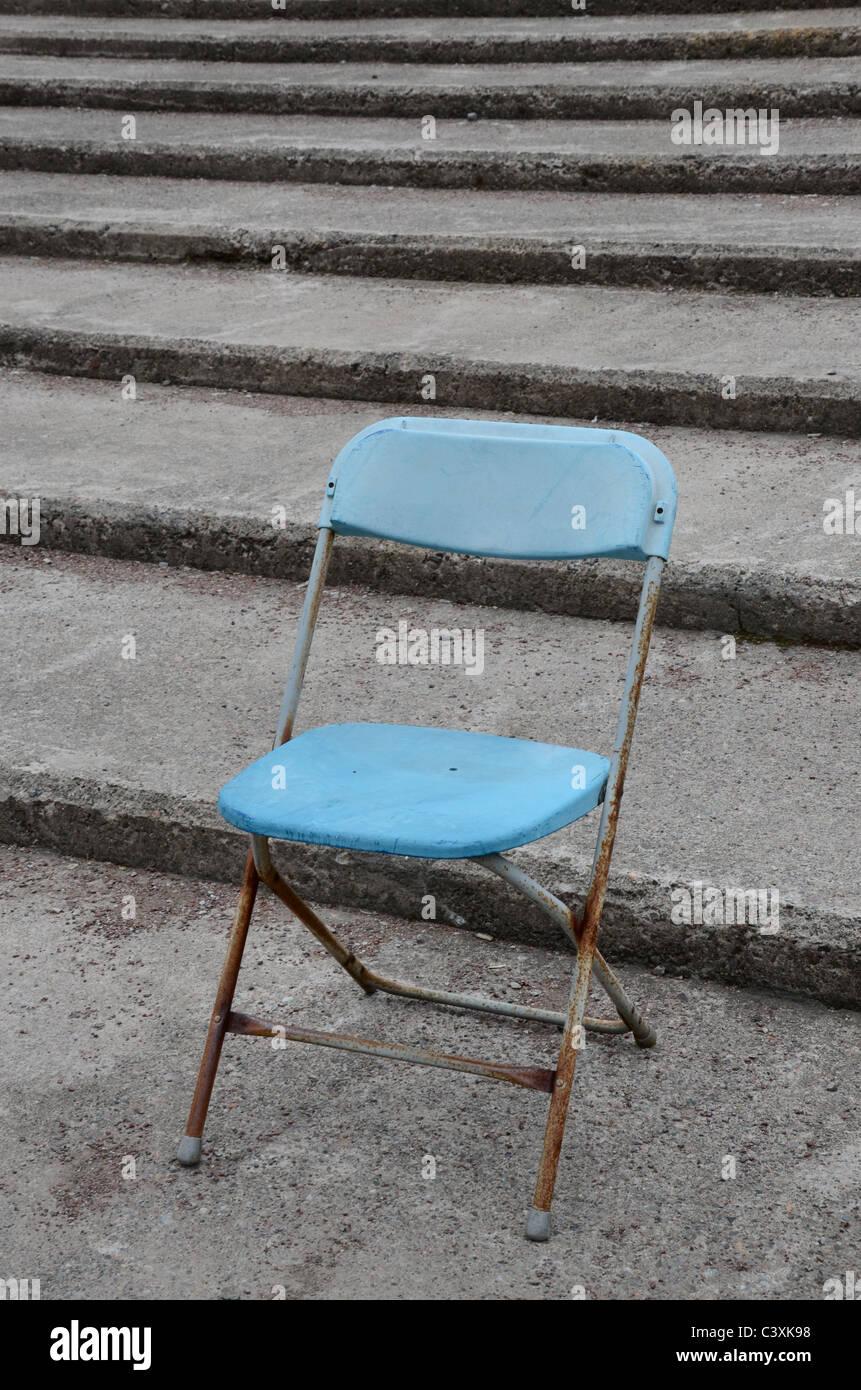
[371, 9]
[592, 91]
[815, 156]
[782, 222]
[123, 759]
[795, 244]
[312, 1171]
[836, 139]
[564, 38]
[157, 479]
[635, 354]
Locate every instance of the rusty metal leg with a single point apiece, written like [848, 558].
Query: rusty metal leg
[644, 1033]
[538, 1223]
[189, 1148]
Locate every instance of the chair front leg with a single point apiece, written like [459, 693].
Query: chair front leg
[573, 1038]
[190, 1144]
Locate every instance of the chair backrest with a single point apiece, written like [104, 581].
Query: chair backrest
[539, 492]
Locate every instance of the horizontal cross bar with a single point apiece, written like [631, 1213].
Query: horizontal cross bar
[489, 1006]
[535, 1078]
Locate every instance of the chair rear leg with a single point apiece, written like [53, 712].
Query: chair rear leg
[538, 1222]
[189, 1148]
[644, 1033]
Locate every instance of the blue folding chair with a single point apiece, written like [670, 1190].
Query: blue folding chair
[530, 492]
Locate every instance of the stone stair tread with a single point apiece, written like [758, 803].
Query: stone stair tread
[436, 25]
[617, 330]
[768, 221]
[710, 77]
[202, 130]
[209, 455]
[188, 476]
[421, 39]
[730, 360]
[368, 10]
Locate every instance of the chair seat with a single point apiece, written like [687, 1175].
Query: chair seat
[400, 789]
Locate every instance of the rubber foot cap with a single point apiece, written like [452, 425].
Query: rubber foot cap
[649, 1040]
[188, 1152]
[538, 1225]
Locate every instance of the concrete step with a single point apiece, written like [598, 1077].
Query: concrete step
[187, 478]
[120, 759]
[815, 156]
[385, 9]
[508, 91]
[117, 1009]
[726, 361]
[313, 1159]
[575, 37]
[798, 245]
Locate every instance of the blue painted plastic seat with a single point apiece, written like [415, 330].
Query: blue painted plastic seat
[397, 789]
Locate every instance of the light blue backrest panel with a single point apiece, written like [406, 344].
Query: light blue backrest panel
[547, 492]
